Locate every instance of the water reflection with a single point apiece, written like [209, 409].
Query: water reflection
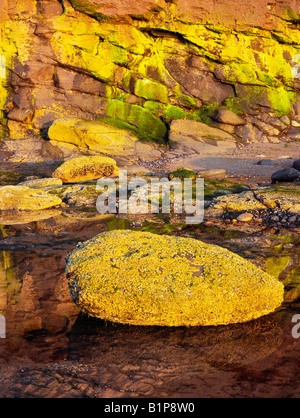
[46, 334]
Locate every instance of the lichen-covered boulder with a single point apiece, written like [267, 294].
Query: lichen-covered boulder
[235, 203]
[141, 278]
[286, 197]
[25, 198]
[86, 168]
[94, 135]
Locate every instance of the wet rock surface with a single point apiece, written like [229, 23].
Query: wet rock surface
[224, 73]
[55, 351]
[146, 287]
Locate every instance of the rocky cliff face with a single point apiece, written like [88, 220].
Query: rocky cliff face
[142, 64]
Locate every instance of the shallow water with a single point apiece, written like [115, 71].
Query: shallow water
[51, 350]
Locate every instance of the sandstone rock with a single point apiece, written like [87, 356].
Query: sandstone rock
[249, 133]
[25, 198]
[266, 128]
[198, 137]
[93, 135]
[198, 83]
[225, 127]
[85, 168]
[141, 278]
[71, 80]
[226, 116]
[293, 133]
[147, 151]
[32, 150]
[279, 124]
[285, 175]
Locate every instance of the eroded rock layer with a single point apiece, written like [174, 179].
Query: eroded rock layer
[140, 65]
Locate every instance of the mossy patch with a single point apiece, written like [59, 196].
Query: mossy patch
[182, 173]
[151, 90]
[147, 125]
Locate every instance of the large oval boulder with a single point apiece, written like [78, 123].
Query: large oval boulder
[141, 278]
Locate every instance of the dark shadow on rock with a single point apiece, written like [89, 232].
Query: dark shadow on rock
[45, 129]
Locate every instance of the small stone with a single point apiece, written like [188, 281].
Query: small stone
[293, 219]
[275, 218]
[245, 217]
[266, 162]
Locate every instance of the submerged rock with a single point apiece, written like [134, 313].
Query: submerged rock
[41, 183]
[25, 198]
[26, 217]
[140, 278]
[85, 168]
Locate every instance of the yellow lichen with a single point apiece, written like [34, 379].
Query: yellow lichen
[25, 198]
[86, 168]
[144, 279]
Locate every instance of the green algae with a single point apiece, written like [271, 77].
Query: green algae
[182, 173]
[145, 123]
[255, 61]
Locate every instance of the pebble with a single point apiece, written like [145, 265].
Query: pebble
[245, 217]
[293, 218]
